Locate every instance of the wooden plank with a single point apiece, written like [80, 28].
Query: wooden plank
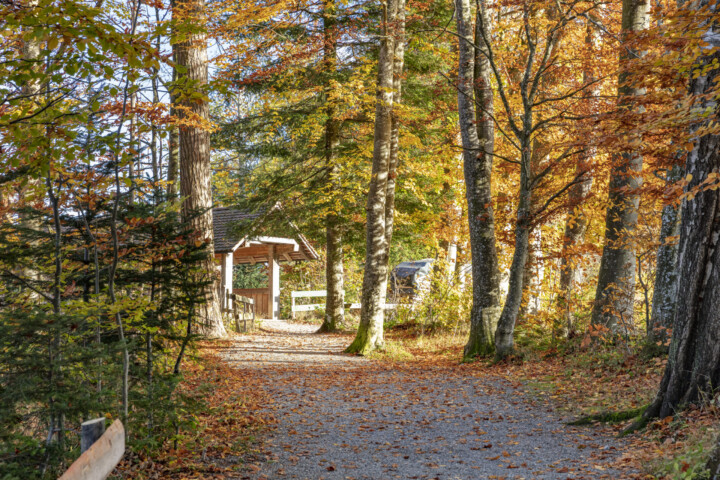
[243, 299]
[309, 293]
[307, 308]
[386, 306]
[101, 458]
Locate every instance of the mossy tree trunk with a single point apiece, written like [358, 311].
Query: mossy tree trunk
[379, 224]
[692, 373]
[477, 130]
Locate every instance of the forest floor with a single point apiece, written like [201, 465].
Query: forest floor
[339, 416]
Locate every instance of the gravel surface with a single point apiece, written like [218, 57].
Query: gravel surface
[346, 417]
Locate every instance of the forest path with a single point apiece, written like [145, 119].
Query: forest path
[347, 417]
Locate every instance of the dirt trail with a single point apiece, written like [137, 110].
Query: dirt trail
[346, 417]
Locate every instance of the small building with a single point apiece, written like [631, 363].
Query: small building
[232, 248]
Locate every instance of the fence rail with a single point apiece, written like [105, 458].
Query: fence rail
[101, 452]
[323, 293]
[241, 305]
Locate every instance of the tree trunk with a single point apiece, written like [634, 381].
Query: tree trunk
[475, 108]
[664, 296]
[504, 343]
[614, 297]
[370, 331]
[334, 274]
[173, 144]
[398, 65]
[693, 368]
[576, 222]
[195, 171]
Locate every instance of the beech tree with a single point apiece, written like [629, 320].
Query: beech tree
[531, 107]
[381, 194]
[693, 368]
[614, 296]
[475, 109]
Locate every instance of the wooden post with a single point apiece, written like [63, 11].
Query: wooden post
[292, 306]
[90, 432]
[245, 315]
[236, 313]
[253, 317]
[98, 461]
[227, 278]
[273, 283]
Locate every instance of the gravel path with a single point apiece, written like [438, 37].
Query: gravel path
[346, 417]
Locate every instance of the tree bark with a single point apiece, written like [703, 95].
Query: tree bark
[393, 161]
[665, 293]
[693, 368]
[576, 222]
[370, 331]
[477, 130]
[173, 144]
[334, 273]
[504, 343]
[194, 141]
[614, 297]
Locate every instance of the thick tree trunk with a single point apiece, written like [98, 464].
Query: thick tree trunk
[693, 368]
[664, 295]
[504, 343]
[614, 297]
[334, 273]
[195, 171]
[370, 331]
[173, 146]
[475, 108]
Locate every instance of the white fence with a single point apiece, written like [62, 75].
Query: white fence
[315, 306]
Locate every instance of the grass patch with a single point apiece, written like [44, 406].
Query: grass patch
[393, 351]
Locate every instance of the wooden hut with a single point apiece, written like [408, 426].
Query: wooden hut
[232, 249]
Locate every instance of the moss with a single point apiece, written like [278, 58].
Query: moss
[610, 417]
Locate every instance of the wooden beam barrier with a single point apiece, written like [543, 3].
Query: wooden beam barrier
[246, 302]
[101, 458]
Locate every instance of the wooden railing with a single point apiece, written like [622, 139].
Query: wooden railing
[322, 293]
[101, 451]
[241, 306]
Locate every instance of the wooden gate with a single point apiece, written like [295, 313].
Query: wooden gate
[261, 298]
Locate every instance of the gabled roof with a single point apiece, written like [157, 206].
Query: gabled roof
[227, 241]
[224, 220]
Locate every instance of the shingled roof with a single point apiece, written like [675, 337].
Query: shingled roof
[226, 241]
[224, 220]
